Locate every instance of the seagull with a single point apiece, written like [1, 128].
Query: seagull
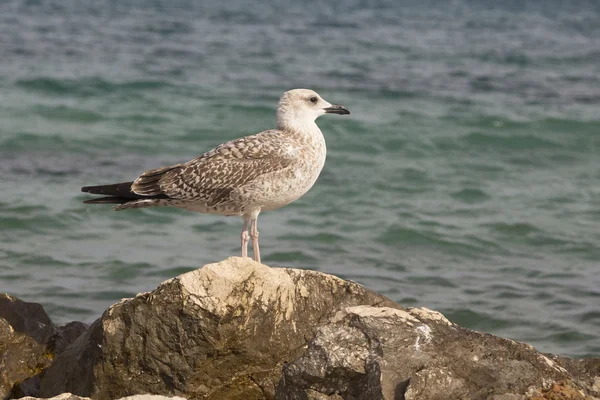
[242, 177]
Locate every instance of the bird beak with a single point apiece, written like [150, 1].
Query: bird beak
[336, 109]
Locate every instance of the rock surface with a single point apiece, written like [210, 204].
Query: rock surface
[383, 353]
[65, 335]
[221, 332]
[29, 342]
[24, 330]
[242, 330]
[27, 318]
[69, 396]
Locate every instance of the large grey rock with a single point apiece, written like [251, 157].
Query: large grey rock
[385, 353]
[29, 342]
[221, 332]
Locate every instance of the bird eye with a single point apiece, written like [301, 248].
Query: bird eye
[313, 99]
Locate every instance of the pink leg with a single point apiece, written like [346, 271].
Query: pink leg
[254, 236]
[245, 238]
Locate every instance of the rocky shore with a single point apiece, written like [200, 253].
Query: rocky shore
[241, 330]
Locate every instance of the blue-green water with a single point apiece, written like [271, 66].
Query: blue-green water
[466, 179]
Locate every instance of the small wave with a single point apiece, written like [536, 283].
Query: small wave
[476, 320]
[501, 132]
[235, 109]
[396, 94]
[562, 304]
[215, 226]
[429, 281]
[112, 295]
[321, 237]
[378, 263]
[297, 256]
[170, 272]
[168, 28]
[146, 216]
[590, 293]
[471, 196]
[86, 86]
[119, 271]
[404, 237]
[578, 58]
[511, 57]
[519, 229]
[560, 276]
[36, 260]
[60, 311]
[571, 127]
[528, 234]
[143, 118]
[398, 234]
[37, 224]
[510, 294]
[569, 336]
[10, 208]
[236, 17]
[366, 279]
[8, 275]
[29, 141]
[511, 141]
[71, 114]
[63, 153]
[592, 316]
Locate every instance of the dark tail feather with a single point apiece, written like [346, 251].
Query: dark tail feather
[119, 193]
[108, 200]
[118, 189]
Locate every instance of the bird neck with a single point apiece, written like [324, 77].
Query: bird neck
[303, 126]
[305, 132]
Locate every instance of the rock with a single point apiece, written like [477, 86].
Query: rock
[69, 396]
[151, 397]
[385, 353]
[28, 387]
[28, 341]
[242, 330]
[24, 330]
[560, 390]
[62, 396]
[221, 332]
[27, 318]
[65, 335]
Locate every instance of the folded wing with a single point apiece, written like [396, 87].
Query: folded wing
[212, 177]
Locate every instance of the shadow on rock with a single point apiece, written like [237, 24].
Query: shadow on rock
[29, 341]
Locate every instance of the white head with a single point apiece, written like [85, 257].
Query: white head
[301, 107]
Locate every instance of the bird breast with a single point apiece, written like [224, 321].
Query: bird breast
[283, 187]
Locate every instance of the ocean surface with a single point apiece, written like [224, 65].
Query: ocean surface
[466, 179]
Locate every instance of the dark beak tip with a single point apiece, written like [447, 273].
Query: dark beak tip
[337, 109]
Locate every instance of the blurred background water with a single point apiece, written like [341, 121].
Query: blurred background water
[465, 180]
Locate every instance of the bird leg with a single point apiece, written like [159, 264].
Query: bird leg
[245, 238]
[254, 236]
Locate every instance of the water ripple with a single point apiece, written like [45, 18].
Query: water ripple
[465, 179]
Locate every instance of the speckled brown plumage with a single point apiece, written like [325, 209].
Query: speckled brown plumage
[213, 180]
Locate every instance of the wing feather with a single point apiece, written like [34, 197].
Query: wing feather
[214, 175]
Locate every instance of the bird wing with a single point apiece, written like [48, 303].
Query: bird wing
[215, 174]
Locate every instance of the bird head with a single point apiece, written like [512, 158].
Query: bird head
[304, 106]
